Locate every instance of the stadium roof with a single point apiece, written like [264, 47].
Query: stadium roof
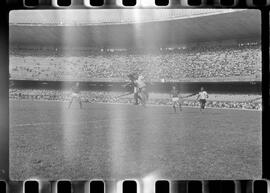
[131, 27]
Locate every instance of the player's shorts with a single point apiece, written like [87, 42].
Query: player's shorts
[203, 101]
[175, 99]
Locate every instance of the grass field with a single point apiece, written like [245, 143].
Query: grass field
[114, 141]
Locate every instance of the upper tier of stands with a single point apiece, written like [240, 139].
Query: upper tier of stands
[100, 16]
[237, 63]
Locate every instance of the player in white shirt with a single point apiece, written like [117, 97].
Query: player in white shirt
[141, 89]
[75, 94]
[202, 96]
[175, 95]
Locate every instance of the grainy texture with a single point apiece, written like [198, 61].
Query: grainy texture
[114, 141]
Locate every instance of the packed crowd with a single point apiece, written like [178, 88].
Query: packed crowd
[111, 97]
[176, 65]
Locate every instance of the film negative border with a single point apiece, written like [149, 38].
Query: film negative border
[88, 4]
[4, 115]
[133, 186]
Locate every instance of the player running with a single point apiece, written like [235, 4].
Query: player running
[202, 98]
[133, 86]
[75, 95]
[176, 99]
[141, 91]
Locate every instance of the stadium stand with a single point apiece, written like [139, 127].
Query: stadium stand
[172, 64]
[55, 47]
[62, 17]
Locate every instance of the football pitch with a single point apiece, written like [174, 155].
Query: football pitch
[120, 141]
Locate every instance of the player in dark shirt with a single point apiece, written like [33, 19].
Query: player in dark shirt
[133, 77]
[75, 94]
[175, 99]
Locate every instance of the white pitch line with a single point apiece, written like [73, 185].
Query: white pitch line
[67, 123]
[57, 123]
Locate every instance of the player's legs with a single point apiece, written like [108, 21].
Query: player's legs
[76, 97]
[80, 102]
[174, 103]
[70, 102]
[174, 106]
[139, 96]
[203, 104]
[142, 96]
[200, 104]
[136, 98]
[180, 105]
[147, 95]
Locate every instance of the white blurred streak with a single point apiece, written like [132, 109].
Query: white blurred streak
[146, 3]
[148, 182]
[117, 137]
[69, 135]
[119, 186]
[69, 115]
